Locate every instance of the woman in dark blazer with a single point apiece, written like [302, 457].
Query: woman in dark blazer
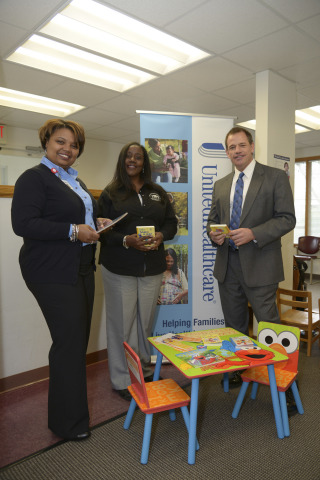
[56, 216]
[132, 266]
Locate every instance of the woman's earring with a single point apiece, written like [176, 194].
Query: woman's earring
[143, 170]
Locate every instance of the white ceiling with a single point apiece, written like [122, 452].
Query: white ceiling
[243, 37]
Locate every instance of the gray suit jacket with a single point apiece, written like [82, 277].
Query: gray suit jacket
[268, 211]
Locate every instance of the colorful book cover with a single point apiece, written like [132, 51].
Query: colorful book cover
[146, 231]
[241, 342]
[200, 358]
[212, 341]
[173, 340]
[223, 228]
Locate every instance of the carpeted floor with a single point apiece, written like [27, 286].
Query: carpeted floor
[243, 448]
[23, 411]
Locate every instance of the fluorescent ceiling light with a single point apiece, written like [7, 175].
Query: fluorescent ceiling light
[35, 103]
[309, 117]
[55, 57]
[92, 43]
[251, 124]
[301, 129]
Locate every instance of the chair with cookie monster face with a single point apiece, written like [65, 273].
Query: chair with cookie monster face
[283, 339]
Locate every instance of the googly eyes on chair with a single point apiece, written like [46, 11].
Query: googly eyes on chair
[287, 339]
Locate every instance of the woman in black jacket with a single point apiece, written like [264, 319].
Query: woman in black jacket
[132, 266]
[56, 216]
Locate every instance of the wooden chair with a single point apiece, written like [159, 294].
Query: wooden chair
[309, 246]
[284, 340]
[152, 397]
[300, 314]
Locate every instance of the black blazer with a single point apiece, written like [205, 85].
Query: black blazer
[43, 207]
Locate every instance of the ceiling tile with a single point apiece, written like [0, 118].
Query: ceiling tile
[212, 74]
[208, 104]
[158, 13]
[277, 51]
[311, 26]
[295, 10]
[243, 92]
[10, 37]
[28, 14]
[303, 73]
[80, 93]
[27, 79]
[242, 113]
[220, 26]
[97, 116]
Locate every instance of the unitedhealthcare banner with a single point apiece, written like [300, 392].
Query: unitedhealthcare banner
[187, 156]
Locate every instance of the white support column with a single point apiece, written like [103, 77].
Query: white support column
[275, 138]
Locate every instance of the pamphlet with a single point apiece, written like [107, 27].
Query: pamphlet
[241, 342]
[212, 341]
[223, 228]
[116, 220]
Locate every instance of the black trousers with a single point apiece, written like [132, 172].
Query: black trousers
[68, 311]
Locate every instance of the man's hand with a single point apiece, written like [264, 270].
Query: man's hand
[217, 237]
[241, 236]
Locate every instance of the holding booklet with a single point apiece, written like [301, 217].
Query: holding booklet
[223, 228]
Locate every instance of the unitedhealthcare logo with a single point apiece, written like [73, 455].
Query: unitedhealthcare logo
[212, 150]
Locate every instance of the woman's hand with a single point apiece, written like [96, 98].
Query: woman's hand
[87, 234]
[180, 296]
[144, 243]
[103, 222]
[156, 241]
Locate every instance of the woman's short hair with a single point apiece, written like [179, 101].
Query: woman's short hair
[51, 126]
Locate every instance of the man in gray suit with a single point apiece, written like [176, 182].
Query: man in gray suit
[249, 265]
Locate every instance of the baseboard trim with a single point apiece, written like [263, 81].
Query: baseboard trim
[42, 373]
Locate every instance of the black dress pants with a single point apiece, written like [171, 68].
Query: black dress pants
[68, 311]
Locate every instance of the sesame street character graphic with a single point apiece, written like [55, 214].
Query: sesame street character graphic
[283, 340]
[204, 358]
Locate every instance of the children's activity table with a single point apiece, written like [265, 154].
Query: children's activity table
[194, 366]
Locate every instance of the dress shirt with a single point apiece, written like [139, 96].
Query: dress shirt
[248, 172]
[70, 178]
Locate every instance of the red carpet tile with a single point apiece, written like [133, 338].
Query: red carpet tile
[23, 411]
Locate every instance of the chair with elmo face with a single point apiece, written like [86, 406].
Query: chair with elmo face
[284, 340]
[152, 397]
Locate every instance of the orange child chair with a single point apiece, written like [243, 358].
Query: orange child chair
[283, 339]
[152, 397]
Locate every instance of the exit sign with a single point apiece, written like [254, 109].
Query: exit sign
[3, 134]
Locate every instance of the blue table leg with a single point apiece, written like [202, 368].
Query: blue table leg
[226, 382]
[193, 421]
[156, 373]
[275, 401]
